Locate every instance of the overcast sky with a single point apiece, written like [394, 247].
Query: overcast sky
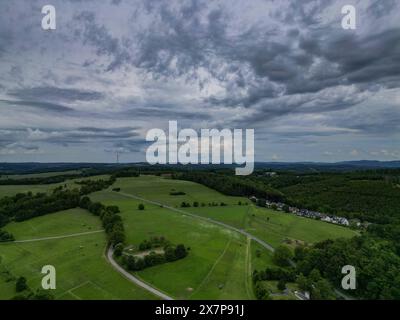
[114, 69]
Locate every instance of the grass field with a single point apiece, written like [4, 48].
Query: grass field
[159, 188]
[217, 266]
[82, 270]
[220, 261]
[38, 175]
[272, 226]
[8, 190]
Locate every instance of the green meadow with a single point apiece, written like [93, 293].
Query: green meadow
[219, 264]
[10, 190]
[271, 226]
[38, 175]
[82, 269]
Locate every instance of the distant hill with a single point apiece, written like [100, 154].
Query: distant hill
[35, 167]
[335, 166]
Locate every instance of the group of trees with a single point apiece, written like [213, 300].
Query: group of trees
[177, 193]
[112, 221]
[318, 287]
[170, 253]
[196, 204]
[154, 242]
[285, 271]
[89, 186]
[376, 262]
[38, 180]
[126, 173]
[232, 185]
[24, 206]
[371, 196]
[6, 236]
[25, 293]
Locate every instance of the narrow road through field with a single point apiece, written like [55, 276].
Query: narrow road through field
[132, 278]
[56, 237]
[241, 231]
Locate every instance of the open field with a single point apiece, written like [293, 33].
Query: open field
[220, 260]
[159, 188]
[269, 225]
[82, 270]
[10, 190]
[216, 267]
[66, 222]
[275, 227]
[38, 175]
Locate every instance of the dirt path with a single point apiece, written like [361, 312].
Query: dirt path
[227, 226]
[134, 279]
[56, 237]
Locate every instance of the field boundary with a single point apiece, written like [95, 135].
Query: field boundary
[212, 267]
[55, 237]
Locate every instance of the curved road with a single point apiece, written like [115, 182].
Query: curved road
[151, 289]
[241, 231]
[132, 278]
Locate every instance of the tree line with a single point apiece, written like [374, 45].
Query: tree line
[232, 185]
[109, 215]
[24, 206]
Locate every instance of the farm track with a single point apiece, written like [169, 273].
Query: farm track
[56, 237]
[134, 279]
[151, 289]
[222, 224]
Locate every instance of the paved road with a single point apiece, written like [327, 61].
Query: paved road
[241, 231]
[57, 237]
[133, 279]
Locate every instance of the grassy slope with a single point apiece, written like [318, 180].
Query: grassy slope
[82, 271]
[218, 266]
[271, 226]
[215, 267]
[39, 175]
[12, 190]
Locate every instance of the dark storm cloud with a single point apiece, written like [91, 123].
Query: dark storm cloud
[98, 36]
[45, 106]
[56, 94]
[185, 38]
[286, 67]
[83, 135]
[128, 146]
[166, 113]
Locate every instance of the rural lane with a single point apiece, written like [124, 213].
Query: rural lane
[56, 237]
[241, 231]
[132, 278]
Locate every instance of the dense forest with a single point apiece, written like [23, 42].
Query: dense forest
[377, 265]
[232, 185]
[371, 196]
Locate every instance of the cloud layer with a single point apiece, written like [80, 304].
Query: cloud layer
[112, 70]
